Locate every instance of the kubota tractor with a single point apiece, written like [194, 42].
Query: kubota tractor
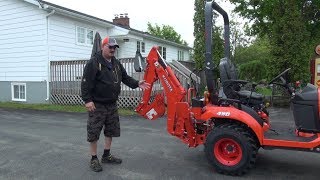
[232, 131]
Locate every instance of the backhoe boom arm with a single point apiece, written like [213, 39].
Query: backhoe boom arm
[157, 69]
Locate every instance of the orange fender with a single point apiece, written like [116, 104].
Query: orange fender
[235, 114]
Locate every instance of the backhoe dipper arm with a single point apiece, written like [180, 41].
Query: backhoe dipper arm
[158, 69]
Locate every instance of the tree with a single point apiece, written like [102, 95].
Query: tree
[199, 42]
[238, 38]
[165, 32]
[293, 27]
[258, 50]
[198, 33]
[260, 13]
[288, 35]
[252, 59]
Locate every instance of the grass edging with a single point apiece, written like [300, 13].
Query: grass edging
[54, 107]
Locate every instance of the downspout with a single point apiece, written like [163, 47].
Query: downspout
[48, 51]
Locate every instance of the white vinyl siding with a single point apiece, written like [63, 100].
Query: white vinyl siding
[128, 49]
[63, 43]
[23, 52]
[29, 41]
[31, 37]
[18, 91]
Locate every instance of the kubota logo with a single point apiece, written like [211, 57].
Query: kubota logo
[223, 113]
[167, 82]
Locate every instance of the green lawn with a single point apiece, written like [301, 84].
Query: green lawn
[53, 107]
[264, 90]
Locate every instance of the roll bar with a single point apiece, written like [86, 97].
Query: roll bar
[209, 65]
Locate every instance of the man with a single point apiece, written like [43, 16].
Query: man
[100, 88]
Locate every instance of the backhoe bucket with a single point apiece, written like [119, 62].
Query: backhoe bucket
[153, 111]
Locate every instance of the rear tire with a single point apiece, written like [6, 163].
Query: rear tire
[231, 149]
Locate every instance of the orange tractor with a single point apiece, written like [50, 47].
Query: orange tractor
[231, 129]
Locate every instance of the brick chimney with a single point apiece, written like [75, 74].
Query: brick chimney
[122, 20]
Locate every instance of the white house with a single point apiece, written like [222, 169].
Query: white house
[35, 32]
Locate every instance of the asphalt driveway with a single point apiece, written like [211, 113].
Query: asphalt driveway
[52, 145]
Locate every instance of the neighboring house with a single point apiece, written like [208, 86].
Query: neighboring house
[34, 33]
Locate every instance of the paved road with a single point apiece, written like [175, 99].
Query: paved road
[52, 145]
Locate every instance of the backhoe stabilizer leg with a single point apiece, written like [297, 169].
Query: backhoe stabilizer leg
[184, 128]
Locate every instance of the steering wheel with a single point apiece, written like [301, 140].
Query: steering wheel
[280, 77]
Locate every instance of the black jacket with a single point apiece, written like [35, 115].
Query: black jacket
[101, 84]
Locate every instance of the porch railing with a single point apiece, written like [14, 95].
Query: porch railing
[66, 78]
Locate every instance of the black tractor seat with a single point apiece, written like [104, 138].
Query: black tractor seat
[233, 87]
[250, 94]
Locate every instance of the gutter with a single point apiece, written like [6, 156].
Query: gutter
[75, 14]
[48, 51]
[149, 36]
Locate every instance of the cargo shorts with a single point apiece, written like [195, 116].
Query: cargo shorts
[105, 115]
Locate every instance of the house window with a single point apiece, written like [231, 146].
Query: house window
[18, 91]
[141, 46]
[160, 50]
[84, 36]
[180, 55]
[163, 52]
[138, 46]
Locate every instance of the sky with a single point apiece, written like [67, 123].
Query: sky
[176, 13]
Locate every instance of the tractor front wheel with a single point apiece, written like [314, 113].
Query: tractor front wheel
[231, 149]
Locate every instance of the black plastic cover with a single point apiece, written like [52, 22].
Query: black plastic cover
[139, 62]
[306, 109]
[197, 102]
